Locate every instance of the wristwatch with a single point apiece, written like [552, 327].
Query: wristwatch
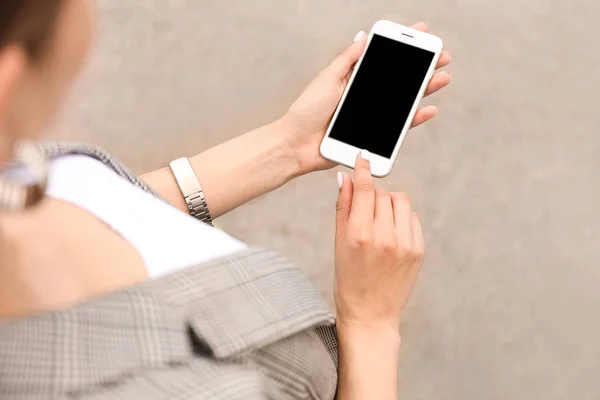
[191, 189]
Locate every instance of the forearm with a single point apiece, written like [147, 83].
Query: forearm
[234, 172]
[368, 364]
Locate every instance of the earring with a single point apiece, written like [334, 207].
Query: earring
[16, 196]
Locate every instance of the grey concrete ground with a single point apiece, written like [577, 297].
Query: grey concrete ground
[506, 179]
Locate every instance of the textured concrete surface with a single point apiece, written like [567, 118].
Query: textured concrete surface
[506, 178]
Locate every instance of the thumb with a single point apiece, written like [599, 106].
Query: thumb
[344, 202]
[342, 65]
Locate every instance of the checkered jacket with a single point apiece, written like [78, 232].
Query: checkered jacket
[248, 326]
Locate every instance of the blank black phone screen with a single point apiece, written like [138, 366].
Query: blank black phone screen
[383, 92]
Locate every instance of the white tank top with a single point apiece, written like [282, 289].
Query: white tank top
[166, 238]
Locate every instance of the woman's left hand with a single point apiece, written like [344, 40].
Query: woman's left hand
[307, 119]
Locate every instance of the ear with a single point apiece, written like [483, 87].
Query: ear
[13, 64]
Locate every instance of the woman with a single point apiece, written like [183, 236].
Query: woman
[80, 238]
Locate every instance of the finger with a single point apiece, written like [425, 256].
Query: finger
[363, 200]
[439, 81]
[418, 237]
[445, 57]
[344, 202]
[421, 26]
[403, 219]
[384, 214]
[342, 65]
[444, 60]
[424, 114]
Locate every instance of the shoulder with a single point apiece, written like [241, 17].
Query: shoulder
[249, 325]
[58, 148]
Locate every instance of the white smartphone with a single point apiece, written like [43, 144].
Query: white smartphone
[382, 96]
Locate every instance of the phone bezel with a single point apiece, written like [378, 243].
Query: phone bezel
[345, 154]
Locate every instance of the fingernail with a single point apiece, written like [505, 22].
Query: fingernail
[359, 36]
[365, 155]
[340, 179]
[449, 76]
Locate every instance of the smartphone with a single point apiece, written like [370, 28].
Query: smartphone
[382, 96]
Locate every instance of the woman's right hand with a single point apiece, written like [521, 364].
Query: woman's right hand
[379, 249]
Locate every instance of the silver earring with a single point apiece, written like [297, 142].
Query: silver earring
[16, 196]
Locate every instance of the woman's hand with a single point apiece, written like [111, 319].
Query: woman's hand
[266, 158]
[379, 249]
[308, 118]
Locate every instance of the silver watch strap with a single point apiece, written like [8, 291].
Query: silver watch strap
[191, 189]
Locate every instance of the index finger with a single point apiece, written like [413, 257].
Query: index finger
[363, 199]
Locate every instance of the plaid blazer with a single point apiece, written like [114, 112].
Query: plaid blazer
[248, 326]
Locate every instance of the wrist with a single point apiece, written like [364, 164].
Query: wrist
[302, 146]
[369, 358]
[280, 136]
[381, 336]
